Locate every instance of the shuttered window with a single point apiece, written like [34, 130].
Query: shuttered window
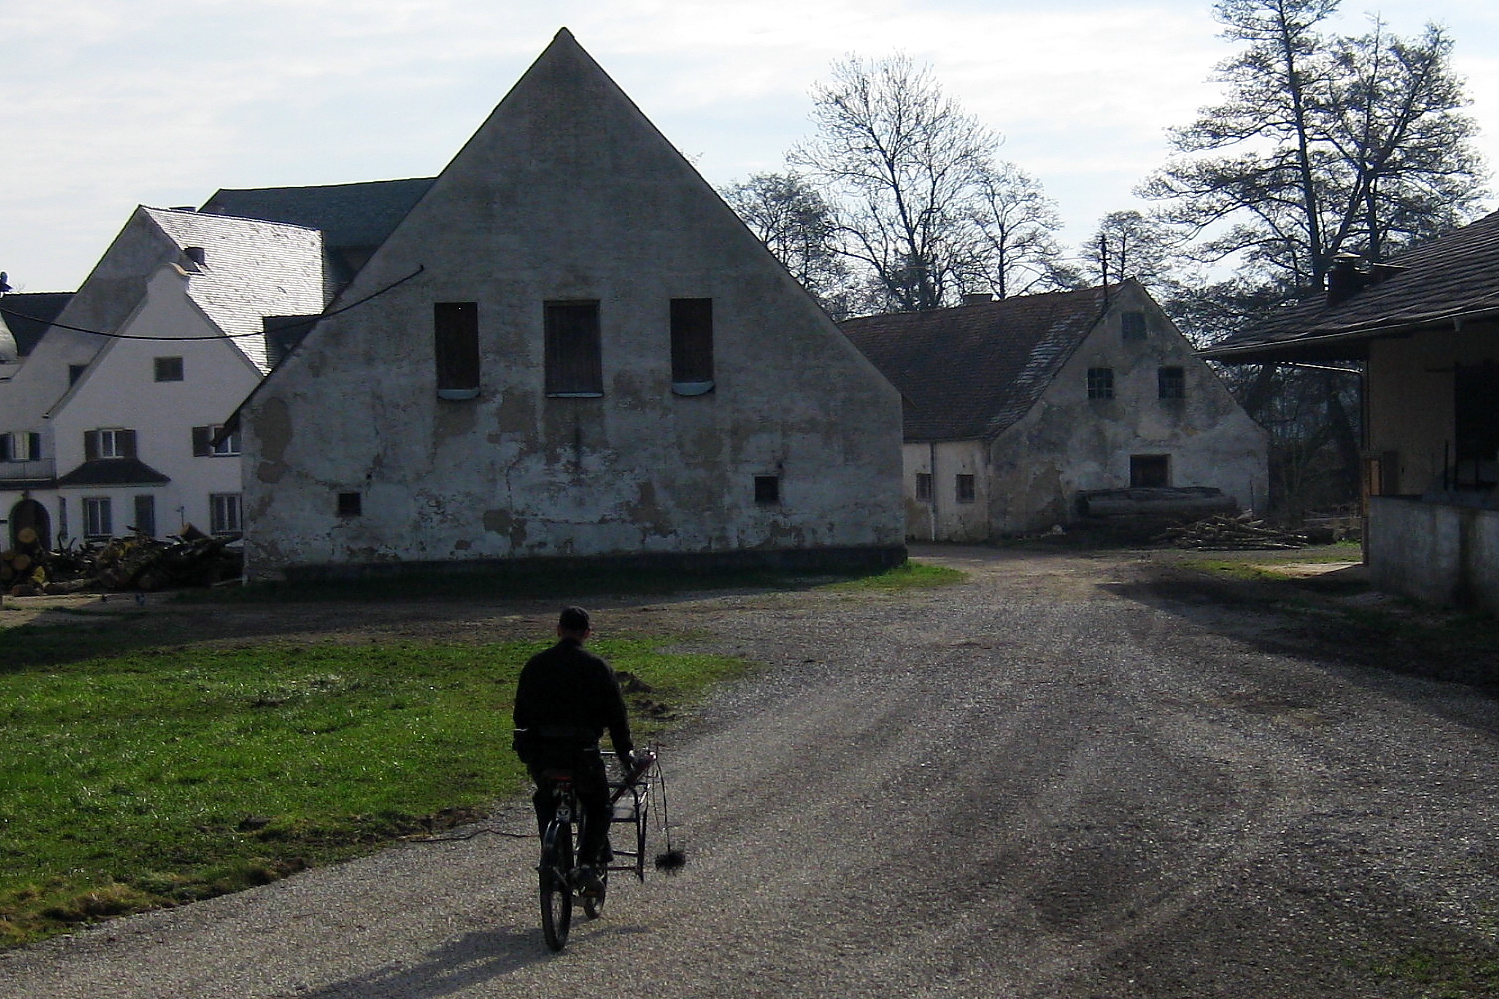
[455, 328]
[691, 345]
[98, 517]
[574, 353]
[108, 444]
[212, 442]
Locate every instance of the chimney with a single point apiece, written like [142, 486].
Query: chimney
[1345, 278]
[197, 255]
[977, 298]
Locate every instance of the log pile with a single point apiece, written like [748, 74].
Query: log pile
[133, 563]
[1241, 533]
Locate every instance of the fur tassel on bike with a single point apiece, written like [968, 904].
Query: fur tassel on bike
[671, 861]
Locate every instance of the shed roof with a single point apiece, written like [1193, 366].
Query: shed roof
[972, 371]
[1440, 283]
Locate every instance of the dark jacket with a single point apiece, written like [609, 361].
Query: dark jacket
[568, 695]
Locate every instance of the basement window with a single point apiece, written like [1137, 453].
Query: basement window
[1149, 471]
[574, 351]
[1100, 383]
[924, 487]
[350, 504]
[767, 490]
[692, 346]
[1172, 383]
[455, 338]
[966, 489]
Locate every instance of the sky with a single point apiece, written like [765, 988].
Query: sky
[105, 105]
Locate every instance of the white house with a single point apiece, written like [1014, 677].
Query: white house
[570, 347]
[115, 431]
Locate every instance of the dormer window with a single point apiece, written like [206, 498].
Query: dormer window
[108, 443]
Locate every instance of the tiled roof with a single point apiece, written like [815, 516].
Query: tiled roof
[251, 269]
[1454, 276]
[353, 218]
[972, 371]
[113, 472]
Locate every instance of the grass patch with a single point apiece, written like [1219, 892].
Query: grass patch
[1444, 974]
[148, 777]
[906, 576]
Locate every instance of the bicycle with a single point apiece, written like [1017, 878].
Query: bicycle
[559, 884]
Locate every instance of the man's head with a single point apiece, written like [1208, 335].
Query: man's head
[573, 623]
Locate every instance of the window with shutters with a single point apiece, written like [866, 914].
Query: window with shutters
[1172, 383]
[691, 346]
[145, 515]
[98, 517]
[168, 369]
[574, 352]
[212, 442]
[110, 442]
[455, 328]
[1100, 383]
[224, 513]
[20, 446]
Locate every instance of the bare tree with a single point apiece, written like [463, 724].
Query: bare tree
[902, 163]
[1017, 225]
[797, 225]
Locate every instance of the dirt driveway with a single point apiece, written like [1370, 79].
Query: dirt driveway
[1073, 775]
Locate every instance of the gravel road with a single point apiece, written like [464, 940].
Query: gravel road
[1062, 778]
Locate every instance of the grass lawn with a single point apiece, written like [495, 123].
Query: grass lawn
[144, 772]
[159, 776]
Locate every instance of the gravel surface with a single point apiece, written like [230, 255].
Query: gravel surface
[1071, 776]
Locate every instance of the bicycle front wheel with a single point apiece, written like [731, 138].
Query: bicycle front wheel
[556, 892]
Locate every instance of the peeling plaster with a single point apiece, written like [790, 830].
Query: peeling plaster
[273, 429]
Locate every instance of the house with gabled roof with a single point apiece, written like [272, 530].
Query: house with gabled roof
[570, 347]
[110, 425]
[1017, 410]
[1425, 327]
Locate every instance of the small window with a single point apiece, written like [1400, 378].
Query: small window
[224, 513]
[98, 517]
[169, 369]
[1100, 383]
[767, 490]
[1172, 383]
[1133, 325]
[145, 515]
[574, 353]
[20, 446]
[691, 346]
[924, 486]
[455, 328]
[108, 443]
[964, 485]
[1149, 471]
[212, 442]
[350, 504]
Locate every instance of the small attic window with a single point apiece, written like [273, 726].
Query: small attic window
[767, 490]
[168, 369]
[1133, 325]
[574, 350]
[692, 346]
[350, 504]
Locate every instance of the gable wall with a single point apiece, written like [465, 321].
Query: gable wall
[1068, 442]
[563, 196]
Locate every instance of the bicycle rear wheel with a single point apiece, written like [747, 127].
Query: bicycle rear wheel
[556, 892]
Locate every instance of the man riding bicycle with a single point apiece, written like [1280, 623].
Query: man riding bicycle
[564, 700]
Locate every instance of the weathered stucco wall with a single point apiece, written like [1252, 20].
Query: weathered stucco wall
[1434, 552]
[1068, 442]
[568, 194]
[1411, 406]
[948, 514]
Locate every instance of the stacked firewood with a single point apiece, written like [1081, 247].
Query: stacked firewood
[133, 563]
[1224, 533]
